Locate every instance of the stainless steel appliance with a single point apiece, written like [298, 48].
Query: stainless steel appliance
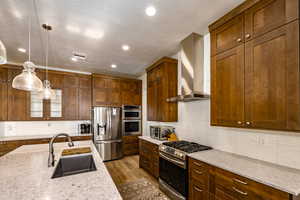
[107, 133]
[85, 128]
[131, 112]
[161, 132]
[131, 120]
[173, 173]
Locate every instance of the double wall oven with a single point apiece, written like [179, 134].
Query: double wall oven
[131, 120]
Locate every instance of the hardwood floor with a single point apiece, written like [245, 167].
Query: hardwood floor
[127, 170]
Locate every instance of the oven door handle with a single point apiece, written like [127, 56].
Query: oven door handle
[179, 163]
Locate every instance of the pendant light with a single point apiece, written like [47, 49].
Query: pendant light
[3, 57]
[47, 92]
[28, 80]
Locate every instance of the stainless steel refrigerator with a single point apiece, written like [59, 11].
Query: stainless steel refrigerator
[107, 132]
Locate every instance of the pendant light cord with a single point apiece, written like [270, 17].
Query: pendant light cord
[47, 52]
[29, 37]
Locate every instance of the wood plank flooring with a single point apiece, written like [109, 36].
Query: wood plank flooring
[127, 170]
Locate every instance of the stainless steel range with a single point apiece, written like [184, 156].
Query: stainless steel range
[173, 173]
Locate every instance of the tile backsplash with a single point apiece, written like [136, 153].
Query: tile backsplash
[194, 125]
[30, 128]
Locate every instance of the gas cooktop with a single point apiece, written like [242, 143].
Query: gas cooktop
[185, 146]
[180, 149]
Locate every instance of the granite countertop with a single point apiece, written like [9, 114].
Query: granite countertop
[149, 139]
[282, 178]
[30, 137]
[25, 176]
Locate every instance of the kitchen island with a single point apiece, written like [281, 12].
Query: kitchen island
[24, 175]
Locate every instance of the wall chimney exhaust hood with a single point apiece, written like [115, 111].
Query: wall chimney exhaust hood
[191, 60]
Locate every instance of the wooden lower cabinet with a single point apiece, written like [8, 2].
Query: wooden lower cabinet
[207, 182]
[130, 145]
[149, 157]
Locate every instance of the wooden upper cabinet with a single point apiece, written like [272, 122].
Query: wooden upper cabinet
[131, 92]
[227, 97]
[113, 87]
[116, 91]
[71, 81]
[17, 99]
[56, 80]
[268, 15]
[70, 97]
[3, 94]
[272, 79]
[227, 36]
[85, 98]
[161, 85]
[256, 84]
[151, 95]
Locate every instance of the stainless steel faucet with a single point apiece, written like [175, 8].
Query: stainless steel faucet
[51, 159]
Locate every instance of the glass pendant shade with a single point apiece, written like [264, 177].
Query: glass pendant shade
[27, 80]
[3, 56]
[47, 92]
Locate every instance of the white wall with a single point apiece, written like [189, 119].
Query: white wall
[194, 125]
[38, 128]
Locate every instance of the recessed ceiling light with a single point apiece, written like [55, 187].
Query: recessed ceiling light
[73, 29]
[125, 47]
[93, 34]
[74, 59]
[113, 66]
[150, 11]
[22, 50]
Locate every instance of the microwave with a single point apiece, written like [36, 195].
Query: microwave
[161, 132]
[131, 112]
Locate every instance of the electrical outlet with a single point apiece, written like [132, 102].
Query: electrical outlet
[49, 124]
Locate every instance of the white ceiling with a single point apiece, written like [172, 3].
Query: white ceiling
[118, 21]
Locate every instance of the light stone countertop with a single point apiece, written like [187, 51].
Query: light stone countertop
[282, 178]
[154, 141]
[30, 137]
[24, 175]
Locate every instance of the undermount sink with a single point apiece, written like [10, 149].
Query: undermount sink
[74, 164]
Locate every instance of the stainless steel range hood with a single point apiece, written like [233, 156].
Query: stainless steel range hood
[191, 62]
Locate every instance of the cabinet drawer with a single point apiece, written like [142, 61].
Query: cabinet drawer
[197, 191]
[243, 188]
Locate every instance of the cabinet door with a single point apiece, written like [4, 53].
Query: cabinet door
[227, 98]
[56, 80]
[196, 191]
[70, 103]
[151, 96]
[227, 36]
[268, 15]
[272, 79]
[131, 92]
[85, 98]
[160, 89]
[17, 99]
[3, 94]
[114, 94]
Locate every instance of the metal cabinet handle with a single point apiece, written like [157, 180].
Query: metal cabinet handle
[239, 191]
[197, 164]
[239, 40]
[239, 181]
[247, 35]
[198, 189]
[198, 172]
